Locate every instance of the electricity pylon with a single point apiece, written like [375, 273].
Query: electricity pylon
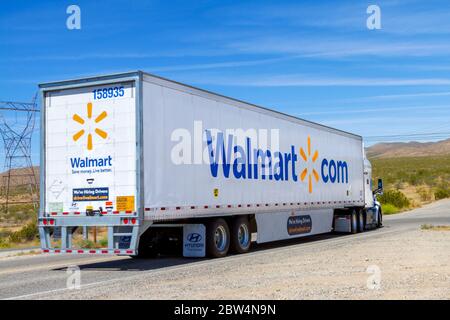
[17, 120]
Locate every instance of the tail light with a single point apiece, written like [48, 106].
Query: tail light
[48, 222]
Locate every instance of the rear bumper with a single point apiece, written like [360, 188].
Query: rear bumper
[122, 234]
[128, 252]
[79, 221]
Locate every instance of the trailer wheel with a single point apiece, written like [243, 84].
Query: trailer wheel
[241, 237]
[354, 221]
[217, 238]
[361, 222]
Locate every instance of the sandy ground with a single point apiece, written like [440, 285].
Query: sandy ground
[399, 261]
[412, 265]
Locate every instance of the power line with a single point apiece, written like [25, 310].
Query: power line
[19, 106]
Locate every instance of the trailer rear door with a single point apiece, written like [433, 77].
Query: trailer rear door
[90, 149]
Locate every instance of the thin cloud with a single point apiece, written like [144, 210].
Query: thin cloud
[124, 55]
[401, 96]
[94, 56]
[338, 48]
[229, 64]
[375, 121]
[398, 17]
[355, 110]
[307, 80]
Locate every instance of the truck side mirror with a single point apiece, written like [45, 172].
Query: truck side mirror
[380, 184]
[379, 190]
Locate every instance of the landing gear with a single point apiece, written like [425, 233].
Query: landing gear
[146, 249]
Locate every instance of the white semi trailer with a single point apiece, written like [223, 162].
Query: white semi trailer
[151, 160]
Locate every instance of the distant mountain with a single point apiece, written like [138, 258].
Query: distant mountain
[20, 176]
[379, 150]
[408, 149]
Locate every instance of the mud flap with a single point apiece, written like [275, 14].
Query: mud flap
[194, 240]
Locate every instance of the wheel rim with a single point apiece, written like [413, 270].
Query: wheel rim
[243, 235]
[220, 238]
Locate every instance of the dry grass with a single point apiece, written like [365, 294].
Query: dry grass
[421, 179]
[434, 228]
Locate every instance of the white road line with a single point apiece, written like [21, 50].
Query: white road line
[55, 265]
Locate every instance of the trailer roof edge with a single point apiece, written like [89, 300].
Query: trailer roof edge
[140, 74]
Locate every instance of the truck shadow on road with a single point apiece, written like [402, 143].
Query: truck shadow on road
[171, 259]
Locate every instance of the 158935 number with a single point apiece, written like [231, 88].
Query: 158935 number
[105, 93]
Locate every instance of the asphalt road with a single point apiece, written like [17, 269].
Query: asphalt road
[44, 276]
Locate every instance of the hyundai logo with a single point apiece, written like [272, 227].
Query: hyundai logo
[194, 237]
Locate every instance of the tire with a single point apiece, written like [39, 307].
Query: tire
[379, 218]
[361, 218]
[354, 221]
[217, 238]
[241, 237]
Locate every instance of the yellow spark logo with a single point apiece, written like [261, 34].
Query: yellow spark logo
[313, 171]
[81, 121]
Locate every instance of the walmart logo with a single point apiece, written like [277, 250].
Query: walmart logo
[312, 172]
[246, 162]
[82, 121]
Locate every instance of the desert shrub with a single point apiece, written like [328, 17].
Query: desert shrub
[394, 197]
[398, 185]
[4, 239]
[90, 244]
[28, 232]
[20, 213]
[103, 243]
[425, 194]
[441, 194]
[389, 208]
[414, 180]
[5, 234]
[430, 171]
[4, 243]
[86, 243]
[19, 190]
[435, 228]
[444, 185]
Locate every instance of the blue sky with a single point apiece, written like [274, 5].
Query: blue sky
[315, 60]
